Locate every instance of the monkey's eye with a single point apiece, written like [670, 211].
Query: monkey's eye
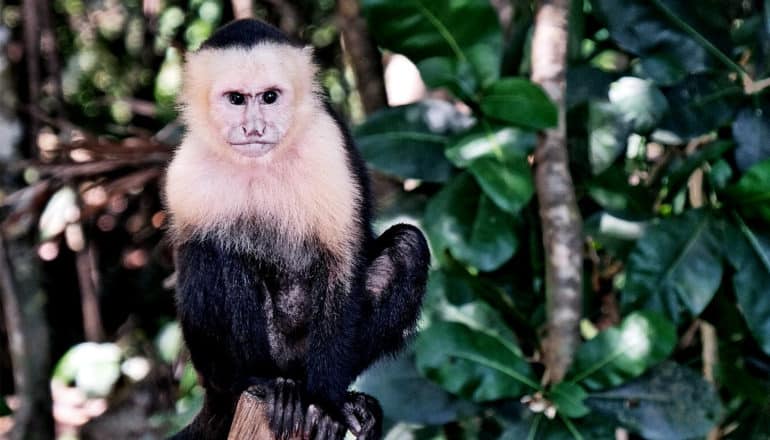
[236, 98]
[269, 97]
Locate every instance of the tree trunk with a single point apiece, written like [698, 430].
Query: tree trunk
[250, 421]
[364, 56]
[562, 226]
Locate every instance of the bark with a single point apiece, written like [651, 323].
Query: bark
[23, 303]
[363, 55]
[562, 226]
[89, 295]
[32, 55]
[250, 420]
[243, 9]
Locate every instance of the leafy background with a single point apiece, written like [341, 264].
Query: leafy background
[669, 140]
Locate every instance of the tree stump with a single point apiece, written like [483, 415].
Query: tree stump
[250, 420]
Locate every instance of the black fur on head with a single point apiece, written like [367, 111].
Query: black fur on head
[246, 33]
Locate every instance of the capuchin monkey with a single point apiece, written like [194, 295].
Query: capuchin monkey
[282, 287]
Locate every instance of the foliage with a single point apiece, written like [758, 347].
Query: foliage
[671, 168]
[669, 139]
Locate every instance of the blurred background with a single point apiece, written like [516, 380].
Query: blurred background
[669, 143]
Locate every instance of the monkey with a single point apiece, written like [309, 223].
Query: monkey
[282, 286]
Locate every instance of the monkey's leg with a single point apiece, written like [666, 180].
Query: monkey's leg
[284, 403]
[395, 284]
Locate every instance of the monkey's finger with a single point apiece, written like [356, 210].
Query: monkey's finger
[289, 395]
[298, 419]
[311, 422]
[276, 421]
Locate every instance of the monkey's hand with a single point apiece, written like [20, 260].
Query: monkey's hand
[284, 404]
[363, 416]
[320, 425]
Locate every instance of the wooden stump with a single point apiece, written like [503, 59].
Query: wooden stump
[250, 420]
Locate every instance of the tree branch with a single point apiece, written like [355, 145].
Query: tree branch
[28, 336]
[364, 56]
[562, 226]
[250, 420]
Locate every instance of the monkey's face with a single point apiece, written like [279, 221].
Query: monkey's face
[252, 119]
[247, 101]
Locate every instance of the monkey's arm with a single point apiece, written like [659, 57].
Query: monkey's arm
[395, 285]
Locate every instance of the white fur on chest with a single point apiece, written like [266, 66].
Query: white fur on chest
[304, 189]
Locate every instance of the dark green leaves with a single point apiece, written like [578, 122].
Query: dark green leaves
[676, 266]
[519, 102]
[751, 130]
[470, 225]
[617, 354]
[752, 192]
[465, 33]
[670, 402]
[409, 141]
[472, 363]
[749, 254]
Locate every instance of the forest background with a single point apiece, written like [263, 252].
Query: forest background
[593, 177]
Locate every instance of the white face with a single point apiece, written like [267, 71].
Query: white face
[246, 100]
[251, 119]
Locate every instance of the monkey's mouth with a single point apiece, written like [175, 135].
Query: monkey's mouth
[253, 149]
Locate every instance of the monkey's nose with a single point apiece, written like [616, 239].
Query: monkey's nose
[254, 130]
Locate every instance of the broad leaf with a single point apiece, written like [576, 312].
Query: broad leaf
[569, 399]
[407, 396]
[487, 141]
[679, 172]
[749, 254]
[473, 364]
[465, 31]
[752, 192]
[641, 104]
[670, 402]
[751, 130]
[508, 183]
[701, 106]
[620, 353]
[607, 135]
[409, 141]
[676, 266]
[638, 27]
[473, 229]
[519, 102]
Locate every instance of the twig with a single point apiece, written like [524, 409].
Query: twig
[89, 298]
[250, 420]
[562, 225]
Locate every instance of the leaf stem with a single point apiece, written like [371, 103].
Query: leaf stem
[752, 239]
[571, 427]
[689, 30]
[533, 428]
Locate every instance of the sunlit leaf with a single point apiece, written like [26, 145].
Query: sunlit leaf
[617, 354]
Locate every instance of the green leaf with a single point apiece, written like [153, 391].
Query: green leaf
[676, 266]
[751, 130]
[487, 141]
[508, 183]
[473, 228]
[409, 141]
[641, 104]
[472, 364]
[670, 402]
[752, 192]
[467, 31]
[569, 399]
[607, 135]
[638, 27]
[5, 410]
[748, 252]
[701, 104]
[519, 102]
[407, 396]
[620, 353]
[94, 368]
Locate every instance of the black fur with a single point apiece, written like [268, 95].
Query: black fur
[270, 318]
[246, 33]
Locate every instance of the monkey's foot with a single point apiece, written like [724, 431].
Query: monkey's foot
[321, 426]
[363, 416]
[284, 405]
